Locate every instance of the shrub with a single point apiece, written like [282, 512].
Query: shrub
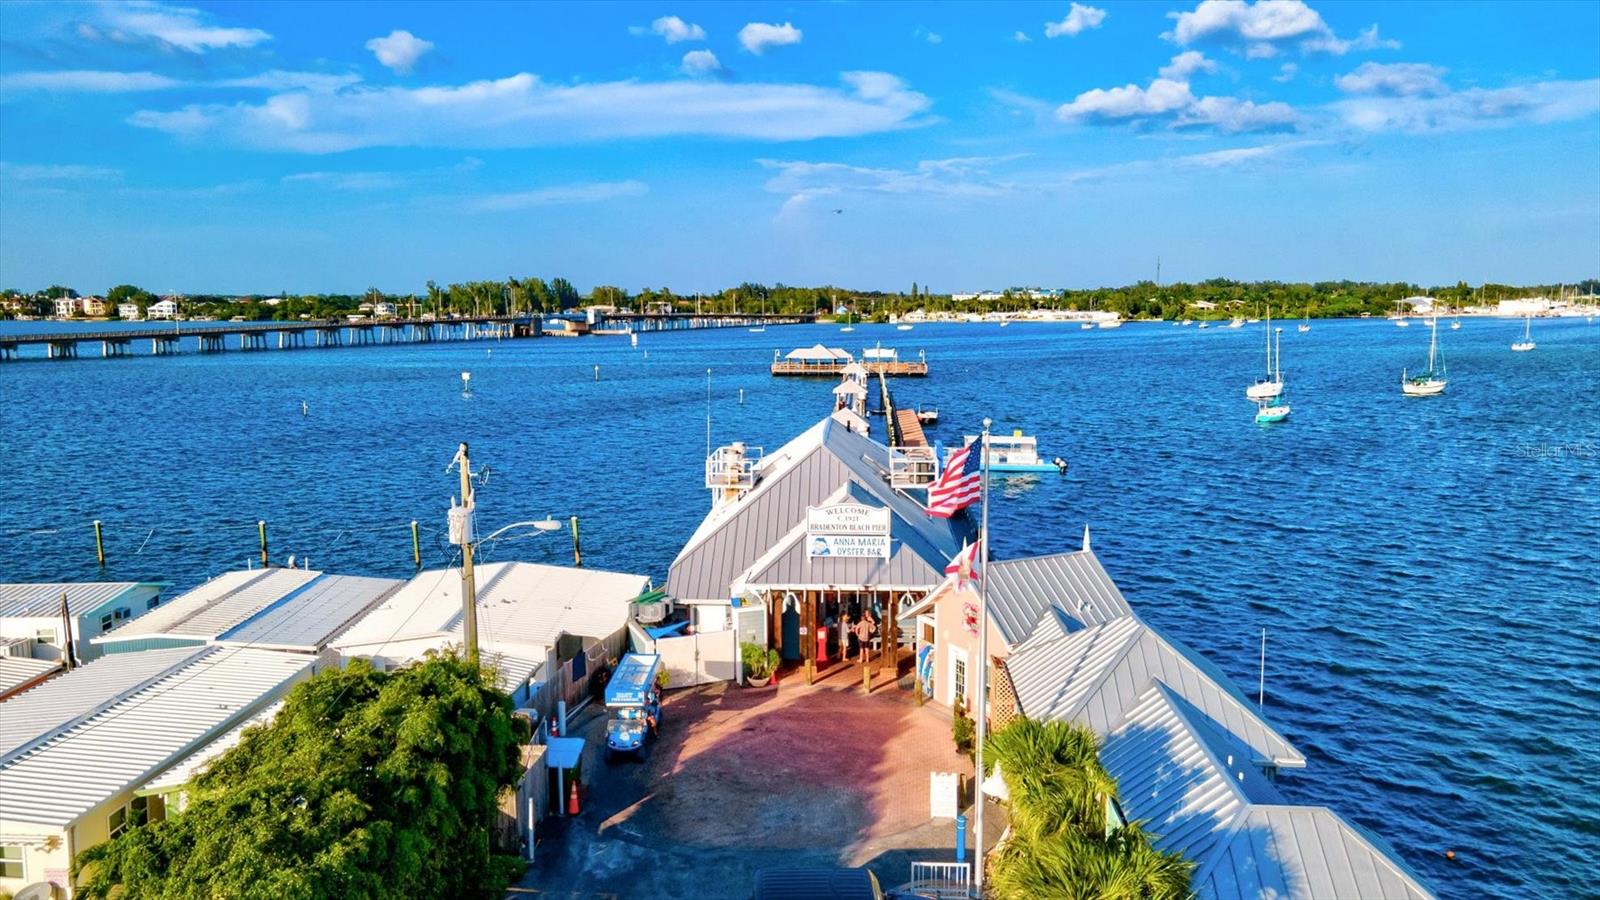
[963, 730]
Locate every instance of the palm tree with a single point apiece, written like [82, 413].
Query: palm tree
[1063, 842]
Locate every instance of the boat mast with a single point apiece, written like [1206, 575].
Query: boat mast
[1433, 346]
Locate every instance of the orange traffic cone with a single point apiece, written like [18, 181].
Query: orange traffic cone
[572, 800]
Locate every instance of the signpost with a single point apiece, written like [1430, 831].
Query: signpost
[848, 530]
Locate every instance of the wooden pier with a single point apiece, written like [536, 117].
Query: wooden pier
[832, 362]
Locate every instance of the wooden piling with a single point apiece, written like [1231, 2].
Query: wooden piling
[99, 545]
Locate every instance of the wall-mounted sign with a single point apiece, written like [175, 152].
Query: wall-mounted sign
[847, 529]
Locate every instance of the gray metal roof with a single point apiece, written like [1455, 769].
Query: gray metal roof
[16, 671]
[44, 599]
[1021, 590]
[308, 619]
[1303, 853]
[76, 766]
[1097, 675]
[29, 715]
[817, 465]
[216, 607]
[1187, 782]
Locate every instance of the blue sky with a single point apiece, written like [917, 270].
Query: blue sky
[300, 147]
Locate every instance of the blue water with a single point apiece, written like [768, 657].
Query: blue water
[1426, 569]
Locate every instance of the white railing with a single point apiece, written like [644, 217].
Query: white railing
[911, 467]
[732, 468]
[939, 880]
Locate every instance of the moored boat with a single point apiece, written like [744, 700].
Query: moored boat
[1430, 382]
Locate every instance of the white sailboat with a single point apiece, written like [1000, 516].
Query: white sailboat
[1399, 318]
[1275, 408]
[1306, 325]
[1526, 343]
[1272, 385]
[1430, 382]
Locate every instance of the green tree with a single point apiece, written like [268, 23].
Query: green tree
[1063, 844]
[366, 784]
[564, 295]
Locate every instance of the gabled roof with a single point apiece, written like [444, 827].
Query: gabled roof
[807, 471]
[1021, 590]
[914, 561]
[817, 353]
[1097, 675]
[58, 701]
[1303, 853]
[1186, 781]
[215, 607]
[55, 776]
[44, 599]
[16, 671]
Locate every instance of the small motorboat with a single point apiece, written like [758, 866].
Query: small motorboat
[1016, 454]
[927, 416]
[1236, 322]
[902, 327]
[1087, 326]
[758, 329]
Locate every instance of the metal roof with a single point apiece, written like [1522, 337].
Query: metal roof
[312, 616]
[518, 602]
[60, 700]
[817, 352]
[189, 767]
[57, 777]
[1097, 675]
[826, 461]
[16, 671]
[44, 599]
[1186, 781]
[1021, 590]
[1303, 853]
[214, 608]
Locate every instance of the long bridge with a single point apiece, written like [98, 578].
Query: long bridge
[249, 336]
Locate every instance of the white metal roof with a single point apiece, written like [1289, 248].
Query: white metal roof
[44, 599]
[309, 618]
[76, 766]
[1095, 676]
[518, 602]
[16, 671]
[1187, 781]
[214, 608]
[817, 353]
[58, 701]
[189, 767]
[1021, 590]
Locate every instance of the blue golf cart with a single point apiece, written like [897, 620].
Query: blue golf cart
[634, 703]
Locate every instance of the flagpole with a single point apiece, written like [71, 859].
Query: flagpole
[983, 668]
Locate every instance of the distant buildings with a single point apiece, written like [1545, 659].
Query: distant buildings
[32, 613]
[1531, 306]
[1013, 293]
[166, 308]
[129, 311]
[67, 307]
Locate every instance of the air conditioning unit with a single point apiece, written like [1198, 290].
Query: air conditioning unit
[22, 647]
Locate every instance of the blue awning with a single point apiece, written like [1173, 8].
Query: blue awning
[564, 752]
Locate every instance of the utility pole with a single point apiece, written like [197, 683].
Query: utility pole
[983, 670]
[461, 532]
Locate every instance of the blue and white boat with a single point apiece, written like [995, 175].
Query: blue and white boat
[1015, 454]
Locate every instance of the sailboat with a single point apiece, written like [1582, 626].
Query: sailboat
[1456, 325]
[1526, 343]
[1306, 325]
[1272, 385]
[1430, 382]
[1399, 318]
[1274, 409]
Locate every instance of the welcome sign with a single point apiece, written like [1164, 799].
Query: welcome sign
[847, 529]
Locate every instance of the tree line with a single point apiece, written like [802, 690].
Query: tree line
[1212, 298]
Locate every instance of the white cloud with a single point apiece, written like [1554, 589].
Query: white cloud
[672, 29]
[349, 181]
[175, 26]
[1127, 102]
[756, 37]
[1286, 73]
[956, 177]
[88, 81]
[701, 62]
[927, 35]
[1186, 64]
[1393, 79]
[1170, 99]
[1230, 115]
[589, 192]
[280, 80]
[522, 111]
[1262, 28]
[1022, 38]
[400, 50]
[1473, 108]
[1079, 18]
[27, 172]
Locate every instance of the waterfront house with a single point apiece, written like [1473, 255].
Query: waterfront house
[67, 307]
[805, 541]
[31, 613]
[290, 610]
[165, 308]
[543, 628]
[129, 311]
[75, 750]
[93, 306]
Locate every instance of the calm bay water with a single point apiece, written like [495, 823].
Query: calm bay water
[1428, 570]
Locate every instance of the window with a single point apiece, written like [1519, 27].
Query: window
[123, 613]
[45, 635]
[152, 603]
[958, 680]
[118, 821]
[11, 864]
[105, 623]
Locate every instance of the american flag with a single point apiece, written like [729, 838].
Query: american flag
[959, 485]
[965, 565]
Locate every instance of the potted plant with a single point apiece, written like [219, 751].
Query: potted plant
[759, 663]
